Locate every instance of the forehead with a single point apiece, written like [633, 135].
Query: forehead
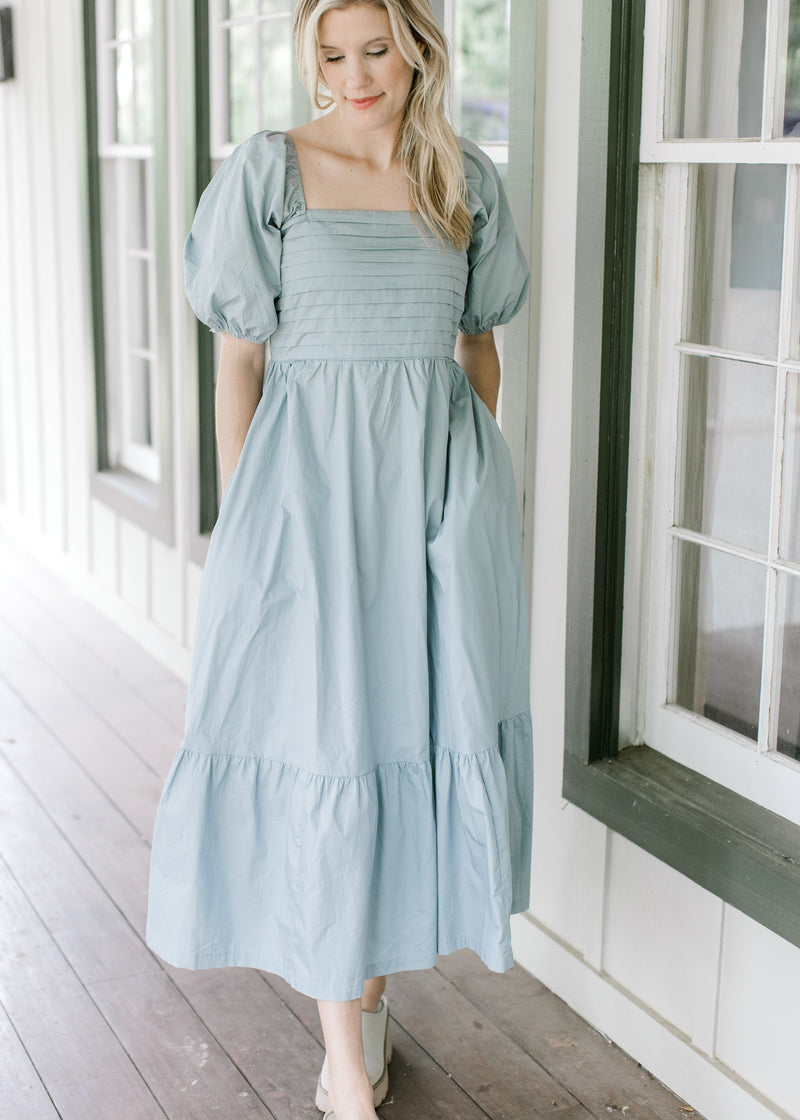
[355, 25]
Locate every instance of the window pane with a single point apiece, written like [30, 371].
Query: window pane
[720, 52]
[134, 87]
[239, 8]
[788, 741]
[790, 495]
[728, 416]
[276, 73]
[481, 70]
[140, 417]
[137, 303]
[791, 110]
[143, 18]
[736, 257]
[123, 19]
[242, 67]
[720, 636]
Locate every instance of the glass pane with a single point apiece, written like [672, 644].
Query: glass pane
[133, 202]
[736, 257]
[243, 100]
[135, 93]
[239, 8]
[276, 74]
[144, 116]
[123, 19]
[143, 18]
[720, 62]
[720, 601]
[140, 418]
[788, 740]
[728, 416]
[791, 108]
[481, 71]
[137, 303]
[790, 493]
[126, 108]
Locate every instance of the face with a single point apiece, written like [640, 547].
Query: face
[362, 66]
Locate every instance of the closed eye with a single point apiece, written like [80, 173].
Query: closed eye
[377, 54]
[338, 58]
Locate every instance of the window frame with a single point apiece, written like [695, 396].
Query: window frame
[738, 850]
[145, 502]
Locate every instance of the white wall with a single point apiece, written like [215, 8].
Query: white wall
[705, 998]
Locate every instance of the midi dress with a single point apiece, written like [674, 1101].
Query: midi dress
[353, 793]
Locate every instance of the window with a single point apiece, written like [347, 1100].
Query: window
[682, 562]
[124, 45]
[126, 111]
[723, 672]
[253, 82]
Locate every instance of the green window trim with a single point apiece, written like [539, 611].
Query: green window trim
[738, 850]
[207, 448]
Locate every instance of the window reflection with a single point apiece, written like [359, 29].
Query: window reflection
[720, 55]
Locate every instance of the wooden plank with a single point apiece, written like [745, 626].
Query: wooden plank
[489, 1066]
[104, 688]
[156, 685]
[603, 1078]
[276, 1053]
[83, 1065]
[109, 845]
[84, 735]
[186, 1068]
[88, 928]
[22, 1093]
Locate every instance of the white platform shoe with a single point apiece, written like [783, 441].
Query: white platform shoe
[377, 1054]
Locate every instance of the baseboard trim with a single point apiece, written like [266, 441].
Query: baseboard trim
[714, 1090]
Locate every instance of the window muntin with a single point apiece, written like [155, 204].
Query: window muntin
[126, 126]
[723, 648]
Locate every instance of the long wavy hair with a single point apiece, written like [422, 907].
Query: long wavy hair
[426, 146]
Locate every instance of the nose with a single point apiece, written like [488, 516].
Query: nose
[356, 74]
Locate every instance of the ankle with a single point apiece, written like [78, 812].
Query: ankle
[351, 1096]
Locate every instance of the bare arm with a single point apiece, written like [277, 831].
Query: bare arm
[240, 380]
[477, 356]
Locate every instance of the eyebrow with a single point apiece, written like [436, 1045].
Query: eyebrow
[380, 39]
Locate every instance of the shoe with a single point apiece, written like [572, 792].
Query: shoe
[377, 1055]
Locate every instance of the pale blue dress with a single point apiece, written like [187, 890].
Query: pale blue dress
[353, 794]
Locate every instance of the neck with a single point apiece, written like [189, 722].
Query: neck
[375, 146]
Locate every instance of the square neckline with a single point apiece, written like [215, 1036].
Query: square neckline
[292, 150]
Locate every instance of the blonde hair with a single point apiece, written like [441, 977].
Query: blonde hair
[427, 148]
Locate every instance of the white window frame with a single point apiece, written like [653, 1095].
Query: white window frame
[143, 460]
[755, 770]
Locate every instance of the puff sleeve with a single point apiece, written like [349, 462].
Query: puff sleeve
[498, 272]
[232, 257]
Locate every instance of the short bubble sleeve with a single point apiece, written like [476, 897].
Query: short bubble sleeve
[498, 272]
[232, 257]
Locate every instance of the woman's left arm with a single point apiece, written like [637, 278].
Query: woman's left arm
[477, 356]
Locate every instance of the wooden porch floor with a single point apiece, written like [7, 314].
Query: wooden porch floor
[93, 1026]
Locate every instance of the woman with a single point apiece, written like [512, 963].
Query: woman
[353, 793]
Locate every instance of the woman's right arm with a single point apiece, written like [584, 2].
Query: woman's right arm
[240, 381]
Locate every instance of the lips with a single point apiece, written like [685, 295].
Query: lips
[364, 102]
